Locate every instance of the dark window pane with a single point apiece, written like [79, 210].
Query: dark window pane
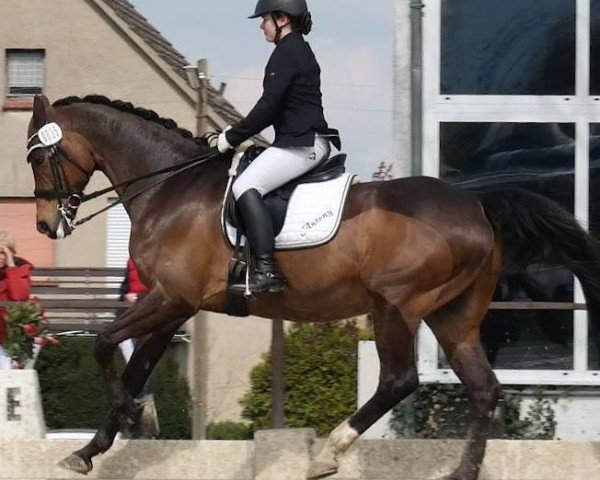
[594, 189]
[508, 48]
[540, 158]
[527, 339]
[595, 48]
[594, 195]
[25, 90]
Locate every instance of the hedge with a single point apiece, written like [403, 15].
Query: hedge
[320, 377]
[73, 395]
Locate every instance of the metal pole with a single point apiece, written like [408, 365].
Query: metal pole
[202, 105]
[198, 373]
[277, 375]
[416, 85]
[199, 351]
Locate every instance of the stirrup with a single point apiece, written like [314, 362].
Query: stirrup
[273, 283]
[277, 282]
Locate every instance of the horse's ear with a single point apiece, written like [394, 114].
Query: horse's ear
[41, 110]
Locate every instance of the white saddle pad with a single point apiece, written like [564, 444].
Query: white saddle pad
[313, 216]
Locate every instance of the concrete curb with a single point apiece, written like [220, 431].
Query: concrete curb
[285, 455]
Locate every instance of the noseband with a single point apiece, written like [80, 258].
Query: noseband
[49, 138]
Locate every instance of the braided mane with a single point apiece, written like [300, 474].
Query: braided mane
[128, 107]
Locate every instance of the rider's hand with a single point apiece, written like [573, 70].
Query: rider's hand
[8, 255]
[131, 297]
[222, 144]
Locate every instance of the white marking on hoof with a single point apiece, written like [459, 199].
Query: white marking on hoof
[76, 464]
[341, 438]
[319, 469]
[338, 442]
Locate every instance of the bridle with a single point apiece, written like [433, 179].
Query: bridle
[49, 137]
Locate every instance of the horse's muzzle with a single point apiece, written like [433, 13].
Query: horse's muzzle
[59, 231]
[45, 229]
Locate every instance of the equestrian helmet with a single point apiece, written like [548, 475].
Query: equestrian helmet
[294, 8]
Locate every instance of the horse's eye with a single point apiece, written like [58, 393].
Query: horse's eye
[37, 157]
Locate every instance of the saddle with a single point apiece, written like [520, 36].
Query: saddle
[277, 200]
[277, 204]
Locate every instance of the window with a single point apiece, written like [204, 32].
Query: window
[118, 227]
[508, 48]
[594, 47]
[25, 73]
[508, 101]
[538, 157]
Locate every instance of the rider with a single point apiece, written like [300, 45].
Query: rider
[291, 102]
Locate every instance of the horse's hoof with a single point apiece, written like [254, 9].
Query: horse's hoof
[320, 469]
[76, 464]
[146, 427]
[453, 476]
[130, 411]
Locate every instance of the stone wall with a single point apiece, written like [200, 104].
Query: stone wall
[285, 455]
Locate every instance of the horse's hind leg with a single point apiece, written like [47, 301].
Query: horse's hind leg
[397, 379]
[457, 329]
[135, 376]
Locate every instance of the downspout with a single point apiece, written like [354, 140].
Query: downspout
[416, 132]
[416, 86]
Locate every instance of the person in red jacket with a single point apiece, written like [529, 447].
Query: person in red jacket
[133, 286]
[15, 284]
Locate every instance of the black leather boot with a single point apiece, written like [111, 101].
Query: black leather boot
[266, 276]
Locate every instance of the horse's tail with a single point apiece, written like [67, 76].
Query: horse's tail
[534, 229]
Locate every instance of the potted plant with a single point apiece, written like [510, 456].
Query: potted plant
[26, 332]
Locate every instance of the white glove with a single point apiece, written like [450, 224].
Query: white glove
[222, 144]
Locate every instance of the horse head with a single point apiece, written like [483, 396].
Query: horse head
[63, 162]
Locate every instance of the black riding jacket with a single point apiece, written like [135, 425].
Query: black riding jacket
[291, 100]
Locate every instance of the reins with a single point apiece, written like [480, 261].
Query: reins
[50, 136]
[174, 170]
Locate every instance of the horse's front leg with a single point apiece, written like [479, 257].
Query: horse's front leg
[134, 377]
[141, 318]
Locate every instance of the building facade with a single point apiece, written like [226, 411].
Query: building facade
[507, 94]
[80, 47]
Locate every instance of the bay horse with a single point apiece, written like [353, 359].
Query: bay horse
[409, 249]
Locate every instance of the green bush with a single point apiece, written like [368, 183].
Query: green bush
[173, 401]
[539, 422]
[229, 431]
[73, 394]
[320, 377]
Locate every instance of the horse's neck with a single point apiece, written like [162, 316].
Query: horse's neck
[128, 156]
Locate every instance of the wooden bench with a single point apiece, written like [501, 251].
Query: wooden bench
[79, 300]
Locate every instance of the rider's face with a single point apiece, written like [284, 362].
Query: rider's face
[269, 29]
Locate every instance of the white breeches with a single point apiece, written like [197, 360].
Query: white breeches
[277, 166]
[127, 347]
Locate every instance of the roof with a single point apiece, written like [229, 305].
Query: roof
[154, 39]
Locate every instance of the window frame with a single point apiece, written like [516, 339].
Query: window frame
[580, 109]
[9, 96]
